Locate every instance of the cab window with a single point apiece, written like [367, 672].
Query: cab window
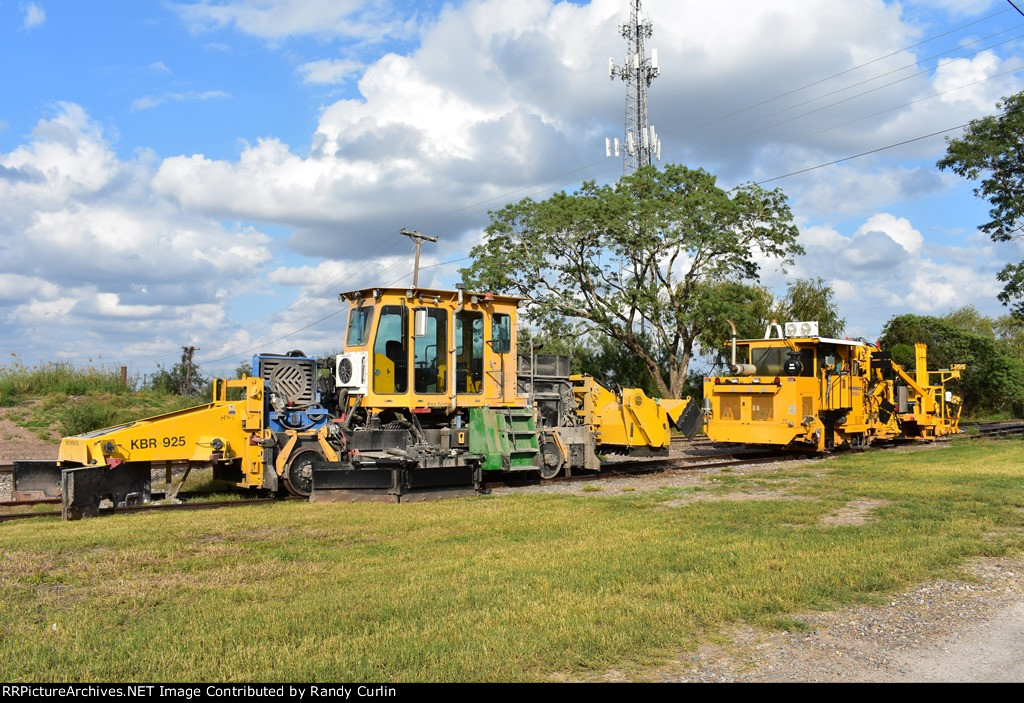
[429, 354]
[390, 354]
[771, 361]
[469, 351]
[768, 360]
[359, 320]
[501, 333]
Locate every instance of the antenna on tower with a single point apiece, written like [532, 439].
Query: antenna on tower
[638, 71]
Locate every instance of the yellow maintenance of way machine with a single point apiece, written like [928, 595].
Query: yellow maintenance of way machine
[795, 389]
[428, 396]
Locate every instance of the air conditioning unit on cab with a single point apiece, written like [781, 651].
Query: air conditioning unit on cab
[801, 329]
[352, 371]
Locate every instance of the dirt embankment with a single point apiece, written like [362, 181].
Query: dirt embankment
[19, 443]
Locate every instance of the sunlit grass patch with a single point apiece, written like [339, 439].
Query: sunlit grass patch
[514, 587]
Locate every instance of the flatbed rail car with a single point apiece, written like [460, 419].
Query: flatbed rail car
[428, 396]
[796, 389]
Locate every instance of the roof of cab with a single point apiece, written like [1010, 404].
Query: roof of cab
[427, 293]
[808, 340]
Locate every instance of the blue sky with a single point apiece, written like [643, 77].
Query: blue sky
[214, 173]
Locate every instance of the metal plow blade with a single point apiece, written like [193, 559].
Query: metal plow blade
[338, 483]
[691, 419]
[84, 489]
[35, 479]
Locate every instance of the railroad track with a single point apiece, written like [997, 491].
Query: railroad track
[614, 469]
[617, 469]
[625, 469]
[196, 505]
[1007, 428]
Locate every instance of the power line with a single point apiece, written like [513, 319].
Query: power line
[791, 119]
[268, 319]
[844, 100]
[837, 102]
[322, 286]
[263, 344]
[322, 319]
[914, 102]
[768, 180]
[559, 179]
[863, 153]
[854, 68]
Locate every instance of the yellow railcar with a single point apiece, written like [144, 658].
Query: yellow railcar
[794, 388]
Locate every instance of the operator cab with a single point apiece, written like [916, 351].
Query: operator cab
[429, 349]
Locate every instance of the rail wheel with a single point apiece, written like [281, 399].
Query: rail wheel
[551, 460]
[298, 473]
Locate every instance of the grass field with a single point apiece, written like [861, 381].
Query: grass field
[59, 400]
[496, 588]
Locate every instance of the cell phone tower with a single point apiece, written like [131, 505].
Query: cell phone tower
[641, 144]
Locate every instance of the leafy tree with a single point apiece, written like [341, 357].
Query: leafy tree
[970, 320]
[174, 381]
[994, 379]
[591, 354]
[750, 307]
[640, 261]
[184, 378]
[616, 367]
[992, 149]
[1009, 330]
[811, 299]
[753, 307]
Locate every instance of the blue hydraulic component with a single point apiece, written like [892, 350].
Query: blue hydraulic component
[293, 400]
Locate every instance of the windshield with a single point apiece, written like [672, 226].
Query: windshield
[359, 326]
[770, 361]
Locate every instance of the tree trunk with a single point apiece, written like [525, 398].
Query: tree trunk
[650, 363]
[680, 369]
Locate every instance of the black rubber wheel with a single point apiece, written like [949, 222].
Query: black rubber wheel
[298, 474]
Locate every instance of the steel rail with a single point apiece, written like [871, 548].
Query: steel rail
[209, 505]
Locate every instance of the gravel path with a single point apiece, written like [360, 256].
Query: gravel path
[950, 631]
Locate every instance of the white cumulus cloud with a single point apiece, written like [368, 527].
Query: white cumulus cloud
[328, 71]
[278, 19]
[93, 262]
[33, 15]
[481, 103]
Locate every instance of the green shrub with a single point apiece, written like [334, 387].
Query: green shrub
[78, 418]
[18, 381]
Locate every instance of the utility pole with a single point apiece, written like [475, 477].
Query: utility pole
[642, 143]
[186, 363]
[418, 238]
